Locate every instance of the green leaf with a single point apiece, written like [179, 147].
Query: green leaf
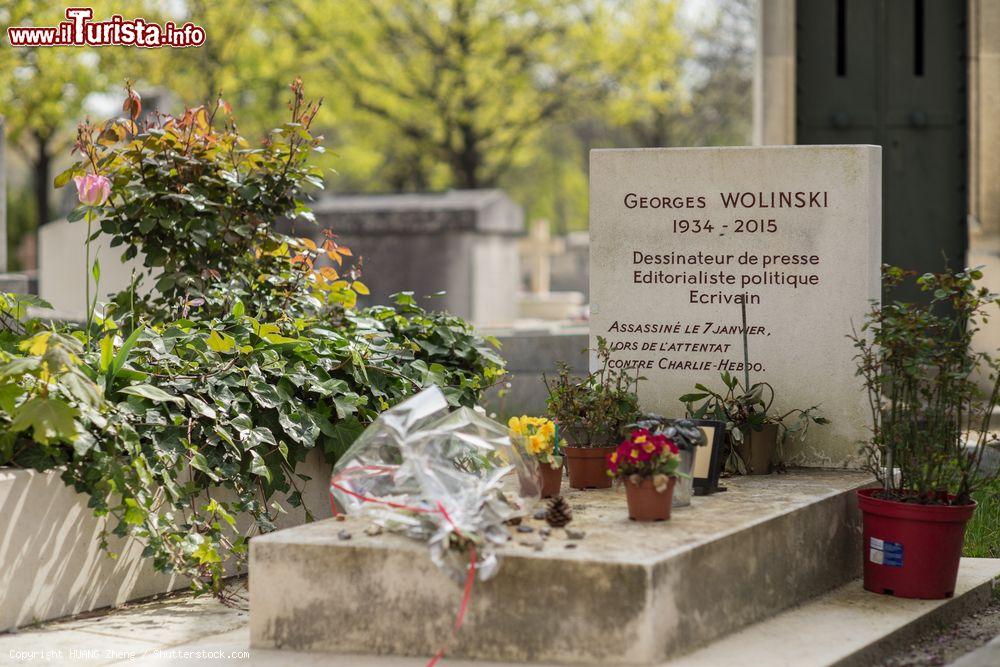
[200, 407]
[9, 393]
[152, 393]
[107, 352]
[122, 356]
[259, 467]
[206, 553]
[50, 419]
[265, 394]
[134, 515]
[220, 342]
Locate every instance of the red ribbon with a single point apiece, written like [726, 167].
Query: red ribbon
[470, 576]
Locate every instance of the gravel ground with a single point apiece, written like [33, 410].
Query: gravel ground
[951, 643]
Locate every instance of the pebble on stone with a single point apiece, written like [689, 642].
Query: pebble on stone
[545, 532]
[373, 530]
[344, 535]
[570, 546]
[573, 534]
[524, 528]
[340, 517]
[541, 514]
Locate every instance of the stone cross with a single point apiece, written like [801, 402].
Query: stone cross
[540, 247]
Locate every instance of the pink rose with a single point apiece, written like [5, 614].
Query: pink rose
[92, 189]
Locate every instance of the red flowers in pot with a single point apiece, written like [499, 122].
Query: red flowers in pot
[648, 466]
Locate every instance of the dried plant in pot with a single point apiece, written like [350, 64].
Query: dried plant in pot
[648, 465]
[931, 418]
[753, 429]
[688, 436]
[591, 412]
[538, 437]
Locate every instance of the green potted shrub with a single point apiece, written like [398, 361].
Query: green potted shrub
[591, 413]
[648, 465]
[931, 420]
[752, 429]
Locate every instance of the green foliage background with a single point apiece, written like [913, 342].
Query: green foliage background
[418, 95]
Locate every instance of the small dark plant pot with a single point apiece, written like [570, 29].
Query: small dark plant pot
[645, 503]
[551, 479]
[757, 451]
[912, 550]
[588, 468]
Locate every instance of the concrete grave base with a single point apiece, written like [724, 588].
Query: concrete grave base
[51, 562]
[627, 593]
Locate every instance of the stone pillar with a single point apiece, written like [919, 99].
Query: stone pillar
[984, 151]
[774, 80]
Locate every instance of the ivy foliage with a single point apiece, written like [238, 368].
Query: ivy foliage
[184, 414]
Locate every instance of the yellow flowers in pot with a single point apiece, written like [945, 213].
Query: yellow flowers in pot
[538, 436]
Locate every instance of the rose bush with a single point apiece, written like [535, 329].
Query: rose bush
[248, 355]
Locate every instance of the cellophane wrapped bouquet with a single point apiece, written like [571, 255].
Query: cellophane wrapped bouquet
[450, 477]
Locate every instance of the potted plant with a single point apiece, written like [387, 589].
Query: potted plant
[687, 435]
[648, 464]
[538, 437]
[591, 413]
[752, 430]
[931, 419]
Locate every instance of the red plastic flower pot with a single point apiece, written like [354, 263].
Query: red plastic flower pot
[645, 503]
[551, 479]
[912, 550]
[587, 466]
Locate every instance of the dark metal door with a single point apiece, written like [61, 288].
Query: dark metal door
[893, 73]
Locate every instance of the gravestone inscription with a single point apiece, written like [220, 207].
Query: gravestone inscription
[683, 239]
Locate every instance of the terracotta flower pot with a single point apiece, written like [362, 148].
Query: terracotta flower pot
[587, 467]
[551, 479]
[911, 550]
[757, 451]
[645, 503]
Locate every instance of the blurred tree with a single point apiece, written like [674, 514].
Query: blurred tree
[713, 105]
[470, 84]
[42, 91]
[246, 58]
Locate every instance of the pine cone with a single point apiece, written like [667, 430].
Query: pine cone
[559, 513]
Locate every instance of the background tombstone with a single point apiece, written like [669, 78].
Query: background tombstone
[461, 242]
[816, 219]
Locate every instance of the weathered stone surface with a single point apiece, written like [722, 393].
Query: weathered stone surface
[628, 593]
[851, 627]
[51, 563]
[460, 242]
[529, 355]
[681, 236]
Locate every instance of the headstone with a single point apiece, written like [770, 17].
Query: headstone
[62, 270]
[461, 242]
[682, 238]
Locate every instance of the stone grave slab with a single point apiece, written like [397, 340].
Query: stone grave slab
[683, 238]
[627, 593]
